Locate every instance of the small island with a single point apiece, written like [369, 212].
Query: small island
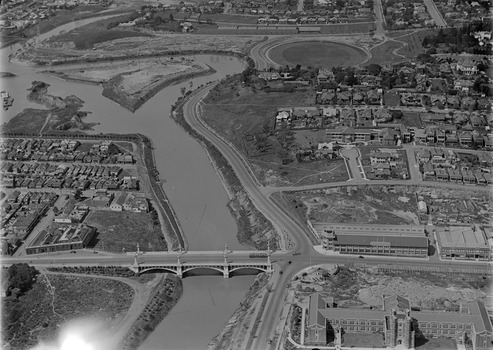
[7, 75]
[62, 114]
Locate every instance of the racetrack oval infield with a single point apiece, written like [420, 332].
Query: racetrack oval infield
[316, 54]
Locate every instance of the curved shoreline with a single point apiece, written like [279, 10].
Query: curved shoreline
[127, 103]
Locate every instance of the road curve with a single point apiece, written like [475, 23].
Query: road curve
[260, 196]
[249, 182]
[264, 204]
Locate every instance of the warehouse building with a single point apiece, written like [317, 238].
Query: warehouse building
[59, 239]
[463, 242]
[370, 239]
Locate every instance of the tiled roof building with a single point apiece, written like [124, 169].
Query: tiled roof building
[398, 323]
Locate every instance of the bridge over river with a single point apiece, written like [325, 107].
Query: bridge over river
[182, 264]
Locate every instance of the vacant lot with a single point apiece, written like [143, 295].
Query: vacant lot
[97, 32]
[414, 45]
[55, 300]
[317, 54]
[372, 205]
[383, 54]
[123, 230]
[360, 287]
[29, 121]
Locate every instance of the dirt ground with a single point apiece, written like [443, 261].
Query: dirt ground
[364, 287]
[372, 205]
[159, 44]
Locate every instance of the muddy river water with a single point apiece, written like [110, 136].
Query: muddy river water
[192, 185]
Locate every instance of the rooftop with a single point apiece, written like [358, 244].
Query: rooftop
[462, 237]
[471, 313]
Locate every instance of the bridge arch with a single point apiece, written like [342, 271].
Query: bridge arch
[258, 268]
[167, 269]
[220, 270]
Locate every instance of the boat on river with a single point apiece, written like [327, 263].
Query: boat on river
[6, 100]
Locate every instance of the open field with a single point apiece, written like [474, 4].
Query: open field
[123, 230]
[104, 71]
[133, 88]
[371, 205]
[62, 17]
[363, 340]
[274, 173]
[85, 37]
[414, 45]
[57, 51]
[383, 54]
[55, 300]
[29, 121]
[316, 54]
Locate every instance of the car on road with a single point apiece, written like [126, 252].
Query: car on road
[73, 251]
[296, 253]
[361, 257]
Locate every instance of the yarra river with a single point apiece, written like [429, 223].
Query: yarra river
[192, 185]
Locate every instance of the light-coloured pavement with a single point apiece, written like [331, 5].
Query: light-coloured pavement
[353, 160]
[300, 6]
[380, 19]
[434, 13]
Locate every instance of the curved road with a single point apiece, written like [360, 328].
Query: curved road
[261, 198]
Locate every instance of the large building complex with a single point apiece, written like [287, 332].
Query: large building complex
[398, 240]
[463, 242]
[398, 323]
[59, 239]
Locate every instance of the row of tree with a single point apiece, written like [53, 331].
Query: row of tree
[461, 39]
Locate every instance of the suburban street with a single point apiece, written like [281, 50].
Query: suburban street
[434, 13]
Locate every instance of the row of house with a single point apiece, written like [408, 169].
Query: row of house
[48, 150]
[407, 14]
[384, 165]
[432, 173]
[458, 12]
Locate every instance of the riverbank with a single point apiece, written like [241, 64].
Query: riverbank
[165, 296]
[254, 229]
[63, 114]
[115, 90]
[235, 333]
[164, 209]
[57, 300]
[7, 75]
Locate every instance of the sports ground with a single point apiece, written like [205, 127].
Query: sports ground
[316, 54]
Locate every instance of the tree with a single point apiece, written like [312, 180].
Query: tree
[374, 69]
[78, 194]
[22, 276]
[171, 18]
[351, 79]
